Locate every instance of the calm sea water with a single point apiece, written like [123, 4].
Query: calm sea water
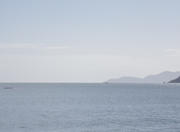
[89, 108]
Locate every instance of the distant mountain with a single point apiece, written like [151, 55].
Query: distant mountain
[162, 77]
[177, 80]
[157, 78]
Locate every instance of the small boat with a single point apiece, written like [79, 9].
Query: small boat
[8, 87]
[106, 82]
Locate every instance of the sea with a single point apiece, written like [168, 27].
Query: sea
[89, 107]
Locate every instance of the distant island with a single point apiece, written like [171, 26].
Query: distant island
[177, 80]
[163, 77]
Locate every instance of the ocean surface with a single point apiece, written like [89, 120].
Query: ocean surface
[84, 107]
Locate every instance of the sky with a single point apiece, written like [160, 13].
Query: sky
[87, 40]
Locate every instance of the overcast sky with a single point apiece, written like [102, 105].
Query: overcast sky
[87, 40]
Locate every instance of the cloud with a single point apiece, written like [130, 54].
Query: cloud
[55, 47]
[32, 48]
[172, 52]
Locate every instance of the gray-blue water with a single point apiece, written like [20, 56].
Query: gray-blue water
[89, 108]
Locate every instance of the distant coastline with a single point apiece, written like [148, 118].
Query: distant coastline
[163, 77]
[177, 80]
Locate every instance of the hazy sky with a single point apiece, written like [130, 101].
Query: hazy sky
[87, 40]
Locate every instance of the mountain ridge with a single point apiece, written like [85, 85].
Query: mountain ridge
[177, 80]
[163, 77]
